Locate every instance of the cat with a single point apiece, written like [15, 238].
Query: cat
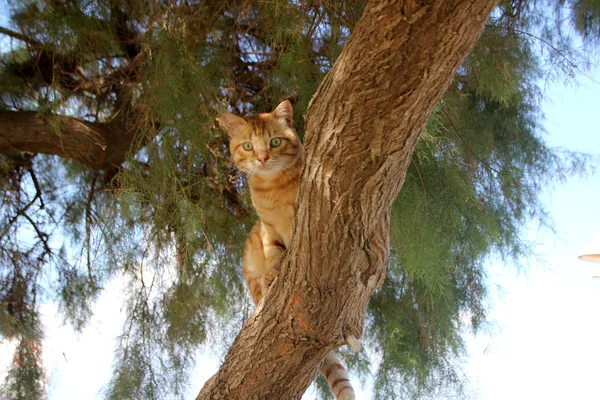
[267, 149]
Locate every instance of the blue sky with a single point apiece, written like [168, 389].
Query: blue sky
[547, 328]
[545, 332]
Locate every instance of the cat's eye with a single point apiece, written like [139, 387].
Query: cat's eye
[247, 146]
[275, 142]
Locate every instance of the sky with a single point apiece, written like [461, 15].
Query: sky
[545, 344]
[544, 338]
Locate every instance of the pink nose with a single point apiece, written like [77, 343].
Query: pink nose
[262, 157]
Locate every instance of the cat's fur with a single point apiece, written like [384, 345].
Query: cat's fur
[273, 169]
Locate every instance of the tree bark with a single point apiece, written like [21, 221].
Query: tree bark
[361, 129]
[98, 146]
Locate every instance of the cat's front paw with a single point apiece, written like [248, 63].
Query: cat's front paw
[270, 277]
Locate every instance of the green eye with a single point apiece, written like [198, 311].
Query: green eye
[247, 146]
[275, 142]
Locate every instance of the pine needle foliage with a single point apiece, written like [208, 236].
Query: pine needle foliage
[171, 218]
[25, 378]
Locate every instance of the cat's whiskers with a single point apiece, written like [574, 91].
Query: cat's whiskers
[245, 170]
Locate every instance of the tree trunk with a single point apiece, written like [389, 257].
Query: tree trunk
[98, 146]
[361, 129]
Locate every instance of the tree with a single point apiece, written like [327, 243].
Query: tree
[361, 126]
[123, 96]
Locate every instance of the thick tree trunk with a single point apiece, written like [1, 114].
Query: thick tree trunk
[98, 146]
[362, 126]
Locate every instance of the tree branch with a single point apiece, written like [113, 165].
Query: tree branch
[88, 226]
[561, 54]
[41, 235]
[19, 36]
[361, 128]
[19, 213]
[98, 146]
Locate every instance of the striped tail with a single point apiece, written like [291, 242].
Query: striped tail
[337, 377]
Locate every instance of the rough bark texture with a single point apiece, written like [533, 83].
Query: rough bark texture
[99, 146]
[362, 127]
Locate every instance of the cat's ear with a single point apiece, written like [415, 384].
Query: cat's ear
[232, 123]
[284, 112]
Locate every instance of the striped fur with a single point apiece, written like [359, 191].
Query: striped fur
[273, 177]
[337, 377]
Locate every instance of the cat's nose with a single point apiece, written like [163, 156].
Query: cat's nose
[262, 156]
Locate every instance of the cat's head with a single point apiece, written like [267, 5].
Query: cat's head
[265, 143]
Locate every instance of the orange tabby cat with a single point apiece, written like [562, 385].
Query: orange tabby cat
[267, 149]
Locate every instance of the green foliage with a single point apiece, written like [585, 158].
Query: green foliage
[25, 378]
[171, 220]
[585, 18]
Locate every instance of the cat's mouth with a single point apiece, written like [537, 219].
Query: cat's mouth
[266, 169]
